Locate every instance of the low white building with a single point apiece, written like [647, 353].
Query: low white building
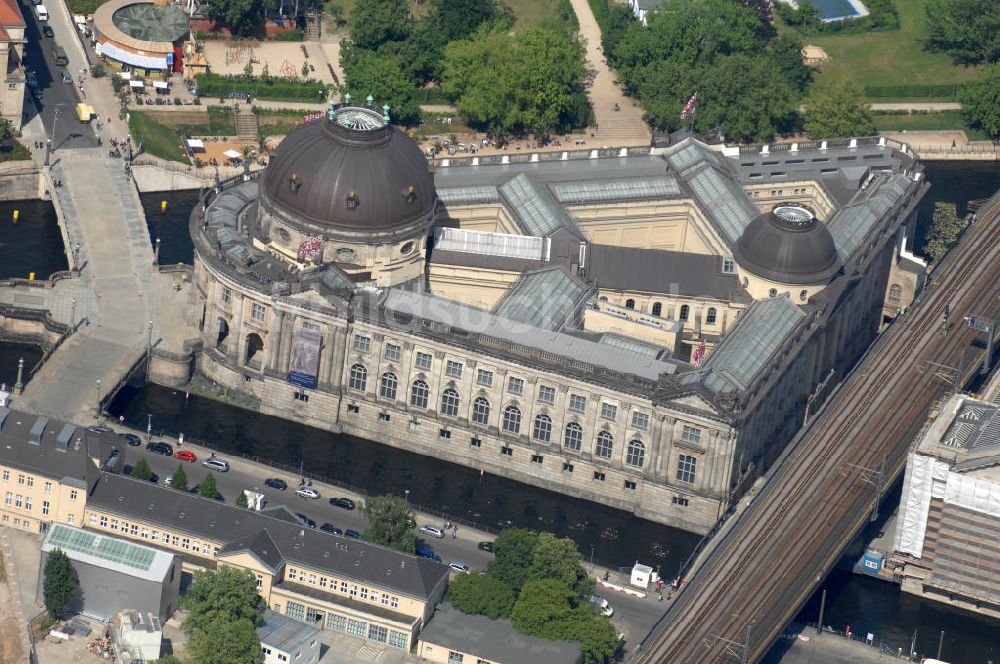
[140, 633]
[284, 640]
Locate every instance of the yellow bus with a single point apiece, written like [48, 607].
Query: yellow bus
[85, 112]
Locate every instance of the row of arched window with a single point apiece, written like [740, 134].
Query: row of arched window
[684, 313]
[510, 422]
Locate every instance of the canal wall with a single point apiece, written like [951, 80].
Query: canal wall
[21, 180]
[150, 178]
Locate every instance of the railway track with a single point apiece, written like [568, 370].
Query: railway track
[755, 579]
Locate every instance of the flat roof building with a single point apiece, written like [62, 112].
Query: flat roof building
[284, 640]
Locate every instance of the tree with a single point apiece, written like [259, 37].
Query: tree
[549, 609]
[981, 102]
[374, 22]
[944, 231]
[241, 16]
[389, 521]
[141, 470]
[835, 108]
[457, 19]
[481, 595]
[785, 51]
[968, 29]
[513, 552]
[241, 500]
[557, 558]
[368, 73]
[179, 479]
[60, 585]
[226, 595]
[223, 642]
[207, 487]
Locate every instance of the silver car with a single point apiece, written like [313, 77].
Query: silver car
[307, 492]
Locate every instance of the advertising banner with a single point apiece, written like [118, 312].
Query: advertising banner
[304, 366]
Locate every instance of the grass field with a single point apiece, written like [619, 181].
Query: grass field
[893, 57]
[217, 121]
[939, 121]
[528, 12]
[157, 139]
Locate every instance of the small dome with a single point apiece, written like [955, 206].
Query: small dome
[788, 245]
[353, 172]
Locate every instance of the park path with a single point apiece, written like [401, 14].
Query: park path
[618, 128]
[917, 106]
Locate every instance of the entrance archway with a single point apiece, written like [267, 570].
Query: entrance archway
[254, 346]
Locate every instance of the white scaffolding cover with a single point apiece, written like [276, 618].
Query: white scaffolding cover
[491, 244]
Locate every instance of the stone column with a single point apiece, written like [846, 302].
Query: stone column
[663, 450]
[336, 359]
[285, 349]
[235, 349]
[274, 337]
[325, 365]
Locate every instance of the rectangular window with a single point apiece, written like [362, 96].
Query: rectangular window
[475, 442]
[455, 657]
[515, 385]
[546, 394]
[312, 580]
[155, 536]
[133, 529]
[336, 622]
[374, 597]
[640, 420]
[691, 435]
[48, 487]
[577, 403]
[27, 503]
[104, 521]
[351, 408]
[630, 485]
[444, 433]
[8, 498]
[363, 344]
[343, 586]
[227, 296]
[70, 519]
[484, 378]
[599, 476]
[322, 582]
[20, 479]
[728, 266]
[364, 593]
[536, 458]
[686, 468]
[609, 411]
[383, 417]
[185, 543]
[424, 360]
[45, 508]
[394, 602]
[18, 501]
[31, 481]
[683, 502]
[114, 524]
[295, 610]
[72, 495]
[397, 640]
[567, 467]
[453, 369]
[257, 311]
[507, 451]
[175, 541]
[378, 634]
[301, 396]
[392, 352]
[93, 518]
[6, 475]
[354, 591]
[357, 628]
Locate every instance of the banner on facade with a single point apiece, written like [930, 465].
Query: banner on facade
[304, 366]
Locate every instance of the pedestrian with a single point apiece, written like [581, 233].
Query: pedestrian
[454, 534]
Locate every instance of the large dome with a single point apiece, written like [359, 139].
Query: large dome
[789, 246]
[350, 171]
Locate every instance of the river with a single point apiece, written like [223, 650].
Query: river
[33, 243]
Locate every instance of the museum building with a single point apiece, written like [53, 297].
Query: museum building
[645, 328]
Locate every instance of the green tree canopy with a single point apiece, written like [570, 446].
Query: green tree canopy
[374, 22]
[968, 29]
[141, 469]
[241, 500]
[835, 108]
[946, 226]
[382, 77]
[179, 480]
[981, 102]
[224, 596]
[225, 642]
[543, 608]
[241, 16]
[207, 487]
[481, 594]
[457, 19]
[389, 519]
[60, 585]
[558, 558]
[513, 552]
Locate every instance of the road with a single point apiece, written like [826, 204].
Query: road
[755, 578]
[69, 131]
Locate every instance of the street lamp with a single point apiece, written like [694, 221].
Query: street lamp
[407, 492]
[149, 427]
[97, 391]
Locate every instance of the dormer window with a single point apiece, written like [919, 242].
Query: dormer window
[352, 200]
[410, 194]
[294, 183]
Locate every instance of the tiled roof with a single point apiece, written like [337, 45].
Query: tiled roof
[10, 14]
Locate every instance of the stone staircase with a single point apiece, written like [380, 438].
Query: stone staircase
[246, 125]
[313, 22]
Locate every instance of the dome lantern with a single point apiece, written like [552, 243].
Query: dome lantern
[788, 245]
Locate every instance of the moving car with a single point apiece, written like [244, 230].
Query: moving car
[352, 533]
[305, 520]
[485, 546]
[332, 529]
[131, 439]
[47, 31]
[160, 447]
[215, 463]
[186, 455]
[461, 568]
[433, 531]
[100, 429]
[345, 503]
[307, 492]
[601, 605]
[276, 483]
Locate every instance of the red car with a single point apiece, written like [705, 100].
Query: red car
[186, 455]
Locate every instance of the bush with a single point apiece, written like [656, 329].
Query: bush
[912, 91]
[98, 70]
[177, 101]
[197, 101]
[276, 89]
[291, 35]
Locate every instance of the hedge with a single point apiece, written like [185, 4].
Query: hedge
[913, 91]
[273, 88]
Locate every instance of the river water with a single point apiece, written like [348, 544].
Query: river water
[33, 244]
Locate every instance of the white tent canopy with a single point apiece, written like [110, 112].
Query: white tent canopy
[195, 144]
[136, 84]
[126, 75]
[233, 154]
[161, 85]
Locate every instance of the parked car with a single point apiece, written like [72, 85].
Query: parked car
[186, 455]
[131, 439]
[47, 31]
[345, 503]
[66, 78]
[332, 529]
[305, 520]
[159, 447]
[154, 478]
[458, 567]
[425, 551]
[352, 533]
[485, 546]
[100, 429]
[307, 492]
[433, 531]
[601, 605]
[276, 483]
[215, 463]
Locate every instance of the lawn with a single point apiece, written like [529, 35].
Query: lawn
[157, 139]
[528, 12]
[893, 57]
[217, 121]
[85, 6]
[939, 121]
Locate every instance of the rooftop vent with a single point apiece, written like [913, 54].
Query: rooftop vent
[62, 441]
[35, 437]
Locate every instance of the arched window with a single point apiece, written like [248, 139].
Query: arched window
[803, 294]
[710, 316]
[543, 428]
[630, 303]
[449, 403]
[254, 346]
[773, 292]
[895, 293]
[574, 436]
[685, 310]
[418, 394]
[481, 410]
[636, 454]
[359, 378]
[512, 419]
[657, 308]
[605, 441]
[387, 386]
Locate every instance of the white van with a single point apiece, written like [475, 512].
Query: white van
[215, 463]
[41, 12]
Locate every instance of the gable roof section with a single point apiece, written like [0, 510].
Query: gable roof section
[537, 212]
[260, 544]
[545, 298]
[659, 271]
[851, 224]
[10, 15]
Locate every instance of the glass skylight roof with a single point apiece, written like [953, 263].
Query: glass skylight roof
[724, 200]
[539, 215]
[615, 190]
[468, 195]
[114, 550]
